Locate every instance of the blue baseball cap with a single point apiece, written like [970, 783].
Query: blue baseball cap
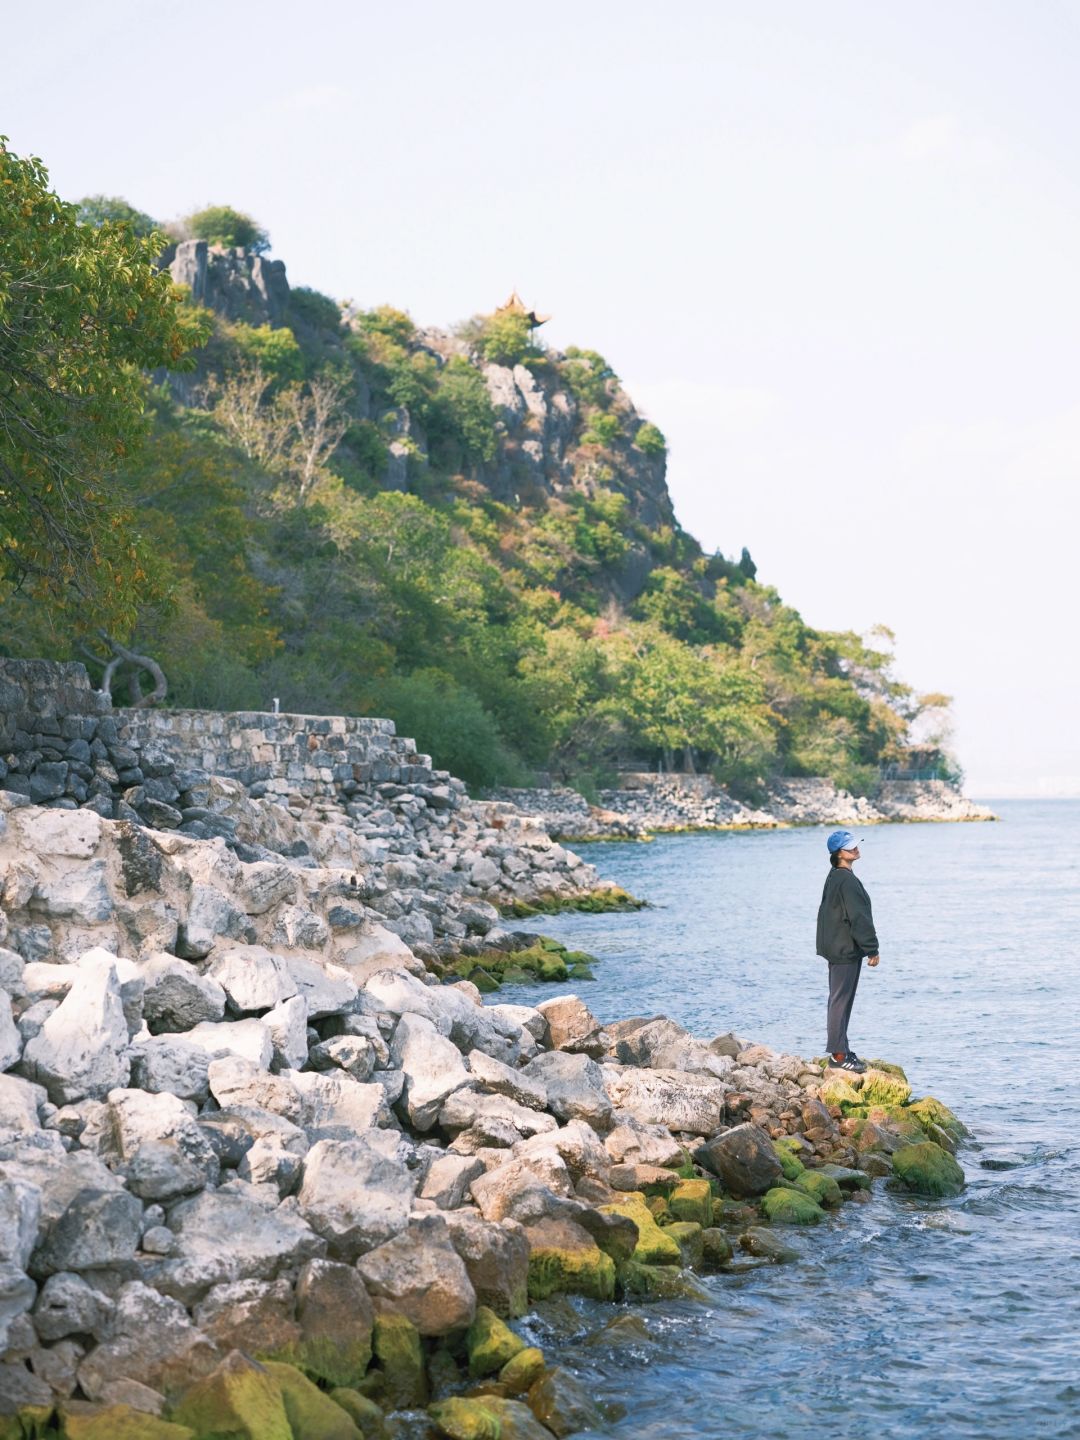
[841, 840]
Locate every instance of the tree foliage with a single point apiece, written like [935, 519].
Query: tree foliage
[222, 225]
[83, 313]
[97, 209]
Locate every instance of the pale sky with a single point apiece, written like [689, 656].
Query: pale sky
[833, 249]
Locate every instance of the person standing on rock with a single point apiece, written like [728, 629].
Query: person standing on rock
[845, 937]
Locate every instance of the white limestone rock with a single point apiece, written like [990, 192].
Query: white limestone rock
[574, 1085]
[328, 989]
[354, 1195]
[423, 1277]
[288, 1026]
[177, 997]
[170, 1064]
[247, 1039]
[253, 978]
[82, 1048]
[432, 1066]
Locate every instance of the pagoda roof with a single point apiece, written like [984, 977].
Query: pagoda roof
[516, 306]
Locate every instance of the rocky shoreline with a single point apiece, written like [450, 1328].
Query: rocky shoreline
[263, 1173]
[648, 804]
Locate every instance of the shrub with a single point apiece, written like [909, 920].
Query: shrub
[315, 309]
[464, 418]
[507, 339]
[396, 325]
[222, 225]
[448, 722]
[650, 440]
[275, 352]
[97, 209]
[586, 374]
[601, 430]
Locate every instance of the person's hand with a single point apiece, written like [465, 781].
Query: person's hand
[873, 959]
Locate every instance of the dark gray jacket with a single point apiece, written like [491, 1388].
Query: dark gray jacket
[845, 921]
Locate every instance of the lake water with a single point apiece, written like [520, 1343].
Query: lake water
[906, 1317]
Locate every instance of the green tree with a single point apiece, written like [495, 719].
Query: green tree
[83, 311]
[650, 440]
[97, 209]
[222, 225]
[273, 351]
[506, 338]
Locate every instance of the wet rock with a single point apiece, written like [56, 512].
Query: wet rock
[461, 1417]
[421, 1273]
[716, 1246]
[82, 1048]
[821, 1188]
[766, 1245]
[399, 1355]
[310, 1412]
[561, 1403]
[744, 1160]
[692, 1200]
[490, 1343]
[522, 1371]
[654, 1245]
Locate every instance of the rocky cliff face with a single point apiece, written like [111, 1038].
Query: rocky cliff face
[542, 453]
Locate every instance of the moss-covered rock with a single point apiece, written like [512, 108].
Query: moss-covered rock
[717, 1246]
[239, 1400]
[821, 1188]
[784, 1206]
[364, 1413]
[312, 1415]
[764, 1245]
[836, 1090]
[655, 1246]
[113, 1422]
[460, 1418]
[692, 1200]
[523, 1370]
[516, 1420]
[32, 1422]
[603, 899]
[896, 1119]
[884, 1087]
[929, 1111]
[490, 1343]
[688, 1235]
[400, 1357]
[563, 1259]
[792, 1166]
[888, 1067]
[927, 1169]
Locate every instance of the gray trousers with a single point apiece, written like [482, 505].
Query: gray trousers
[843, 982]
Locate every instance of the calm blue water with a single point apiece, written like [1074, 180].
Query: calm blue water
[906, 1317]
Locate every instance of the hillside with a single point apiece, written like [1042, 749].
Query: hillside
[468, 532]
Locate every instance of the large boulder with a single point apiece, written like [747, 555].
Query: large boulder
[256, 1316]
[68, 1305]
[694, 1104]
[355, 1194]
[223, 1235]
[171, 1065]
[327, 989]
[337, 1107]
[499, 1079]
[253, 978]
[82, 1048]
[432, 1066]
[927, 1169]
[336, 1318]
[152, 1342]
[744, 1160]
[574, 1085]
[527, 1189]
[422, 1275]
[571, 1026]
[496, 1256]
[239, 1400]
[248, 1039]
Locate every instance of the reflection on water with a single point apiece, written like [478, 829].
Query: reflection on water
[907, 1317]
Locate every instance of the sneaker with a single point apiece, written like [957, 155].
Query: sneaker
[850, 1062]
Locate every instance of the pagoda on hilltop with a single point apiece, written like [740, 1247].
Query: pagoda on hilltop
[516, 306]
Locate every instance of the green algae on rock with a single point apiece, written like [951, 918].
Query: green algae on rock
[689, 1236]
[792, 1166]
[490, 1344]
[523, 1370]
[784, 1206]
[603, 899]
[717, 1246]
[884, 1087]
[692, 1200]
[563, 1259]
[764, 1245]
[560, 1401]
[461, 1418]
[654, 1246]
[929, 1111]
[239, 1400]
[927, 1169]
[400, 1357]
[364, 1413]
[821, 1188]
[116, 1422]
[658, 1282]
[312, 1414]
